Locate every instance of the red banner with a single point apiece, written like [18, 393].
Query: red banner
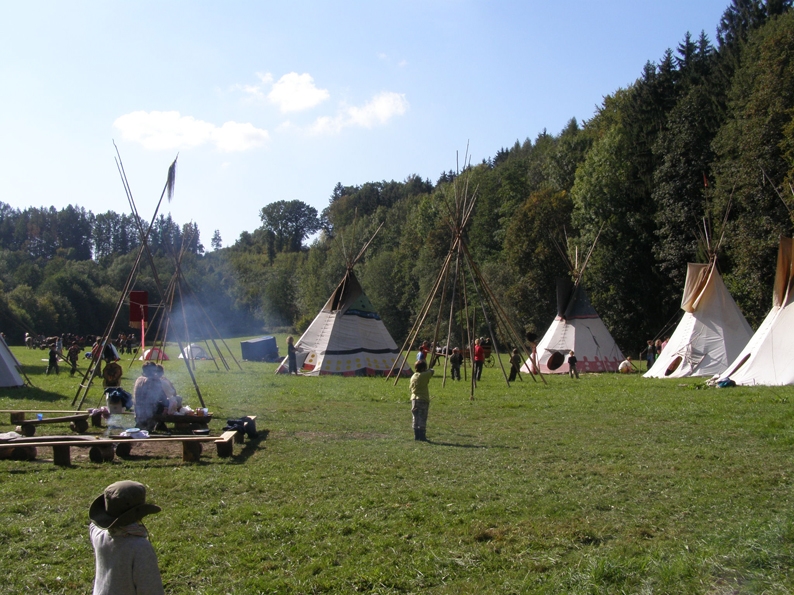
[139, 308]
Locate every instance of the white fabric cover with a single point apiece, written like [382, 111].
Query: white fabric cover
[578, 328]
[594, 347]
[768, 358]
[712, 332]
[9, 367]
[194, 351]
[347, 337]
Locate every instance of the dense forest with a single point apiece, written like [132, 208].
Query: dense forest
[705, 133]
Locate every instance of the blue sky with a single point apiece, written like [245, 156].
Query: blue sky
[268, 101]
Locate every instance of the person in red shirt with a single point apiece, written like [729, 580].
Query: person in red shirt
[479, 359]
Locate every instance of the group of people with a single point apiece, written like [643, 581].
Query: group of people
[653, 349]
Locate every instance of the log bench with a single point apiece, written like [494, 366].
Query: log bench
[105, 449]
[78, 423]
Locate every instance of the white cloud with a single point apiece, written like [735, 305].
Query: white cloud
[233, 136]
[378, 111]
[295, 92]
[157, 131]
[256, 91]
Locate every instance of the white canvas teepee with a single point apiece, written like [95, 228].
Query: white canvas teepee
[578, 328]
[347, 337]
[768, 358]
[711, 333]
[9, 367]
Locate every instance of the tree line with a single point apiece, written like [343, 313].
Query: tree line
[705, 131]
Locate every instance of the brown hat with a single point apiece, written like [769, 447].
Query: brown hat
[122, 503]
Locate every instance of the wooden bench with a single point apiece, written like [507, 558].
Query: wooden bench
[78, 423]
[17, 416]
[239, 436]
[105, 449]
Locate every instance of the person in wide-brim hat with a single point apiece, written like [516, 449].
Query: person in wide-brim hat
[126, 562]
[122, 503]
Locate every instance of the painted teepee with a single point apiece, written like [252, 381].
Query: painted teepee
[578, 328]
[712, 331]
[768, 358]
[347, 337]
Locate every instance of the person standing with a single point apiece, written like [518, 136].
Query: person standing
[572, 371]
[515, 365]
[125, 561]
[424, 349]
[72, 356]
[52, 362]
[650, 354]
[292, 358]
[420, 399]
[455, 361]
[479, 359]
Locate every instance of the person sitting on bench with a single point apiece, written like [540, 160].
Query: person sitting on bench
[149, 396]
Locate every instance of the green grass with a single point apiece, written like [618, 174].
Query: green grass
[609, 484]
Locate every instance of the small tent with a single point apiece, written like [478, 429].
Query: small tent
[154, 353]
[194, 352]
[712, 331]
[769, 354]
[9, 367]
[346, 338]
[262, 349]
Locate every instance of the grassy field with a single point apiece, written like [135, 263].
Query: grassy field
[609, 484]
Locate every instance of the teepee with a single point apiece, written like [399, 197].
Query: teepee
[347, 337]
[577, 327]
[712, 331]
[9, 367]
[768, 357]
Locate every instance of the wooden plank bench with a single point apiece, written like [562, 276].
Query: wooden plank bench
[17, 416]
[78, 423]
[239, 436]
[105, 449]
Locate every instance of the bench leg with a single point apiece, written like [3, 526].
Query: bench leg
[101, 454]
[78, 425]
[191, 451]
[225, 449]
[17, 417]
[24, 453]
[62, 455]
[96, 420]
[123, 449]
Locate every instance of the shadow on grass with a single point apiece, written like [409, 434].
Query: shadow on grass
[480, 446]
[251, 447]
[30, 392]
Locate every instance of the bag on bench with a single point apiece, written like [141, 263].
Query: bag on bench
[244, 424]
